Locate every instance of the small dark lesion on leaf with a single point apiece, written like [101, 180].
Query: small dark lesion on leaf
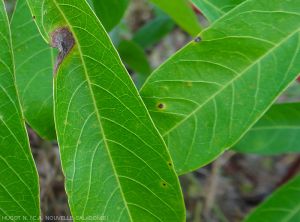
[163, 184]
[62, 39]
[161, 106]
[198, 39]
[170, 165]
[33, 16]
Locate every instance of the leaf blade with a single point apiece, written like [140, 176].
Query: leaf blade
[275, 133]
[34, 79]
[153, 31]
[114, 159]
[233, 59]
[104, 8]
[277, 207]
[19, 191]
[182, 14]
[213, 9]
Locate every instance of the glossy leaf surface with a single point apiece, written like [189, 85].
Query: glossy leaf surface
[214, 9]
[281, 206]
[210, 93]
[277, 132]
[19, 192]
[34, 71]
[115, 162]
[181, 12]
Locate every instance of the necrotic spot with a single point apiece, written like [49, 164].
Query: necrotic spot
[198, 39]
[163, 184]
[63, 40]
[161, 106]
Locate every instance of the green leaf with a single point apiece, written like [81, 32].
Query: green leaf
[282, 206]
[209, 94]
[214, 9]
[135, 58]
[277, 132]
[114, 160]
[110, 12]
[19, 191]
[34, 71]
[182, 13]
[153, 31]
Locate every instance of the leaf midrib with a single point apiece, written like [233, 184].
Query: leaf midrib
[95, 106]
[230, 82]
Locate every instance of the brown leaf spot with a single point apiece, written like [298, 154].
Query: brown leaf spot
[161, 106]
[63, 40]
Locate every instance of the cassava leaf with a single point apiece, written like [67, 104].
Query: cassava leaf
[19, 192]
[214, 9]
[277, 132]
[115, 162]
[210, 93]
[181, 12]
[34, 71]
[282, 206]
[110, 12]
